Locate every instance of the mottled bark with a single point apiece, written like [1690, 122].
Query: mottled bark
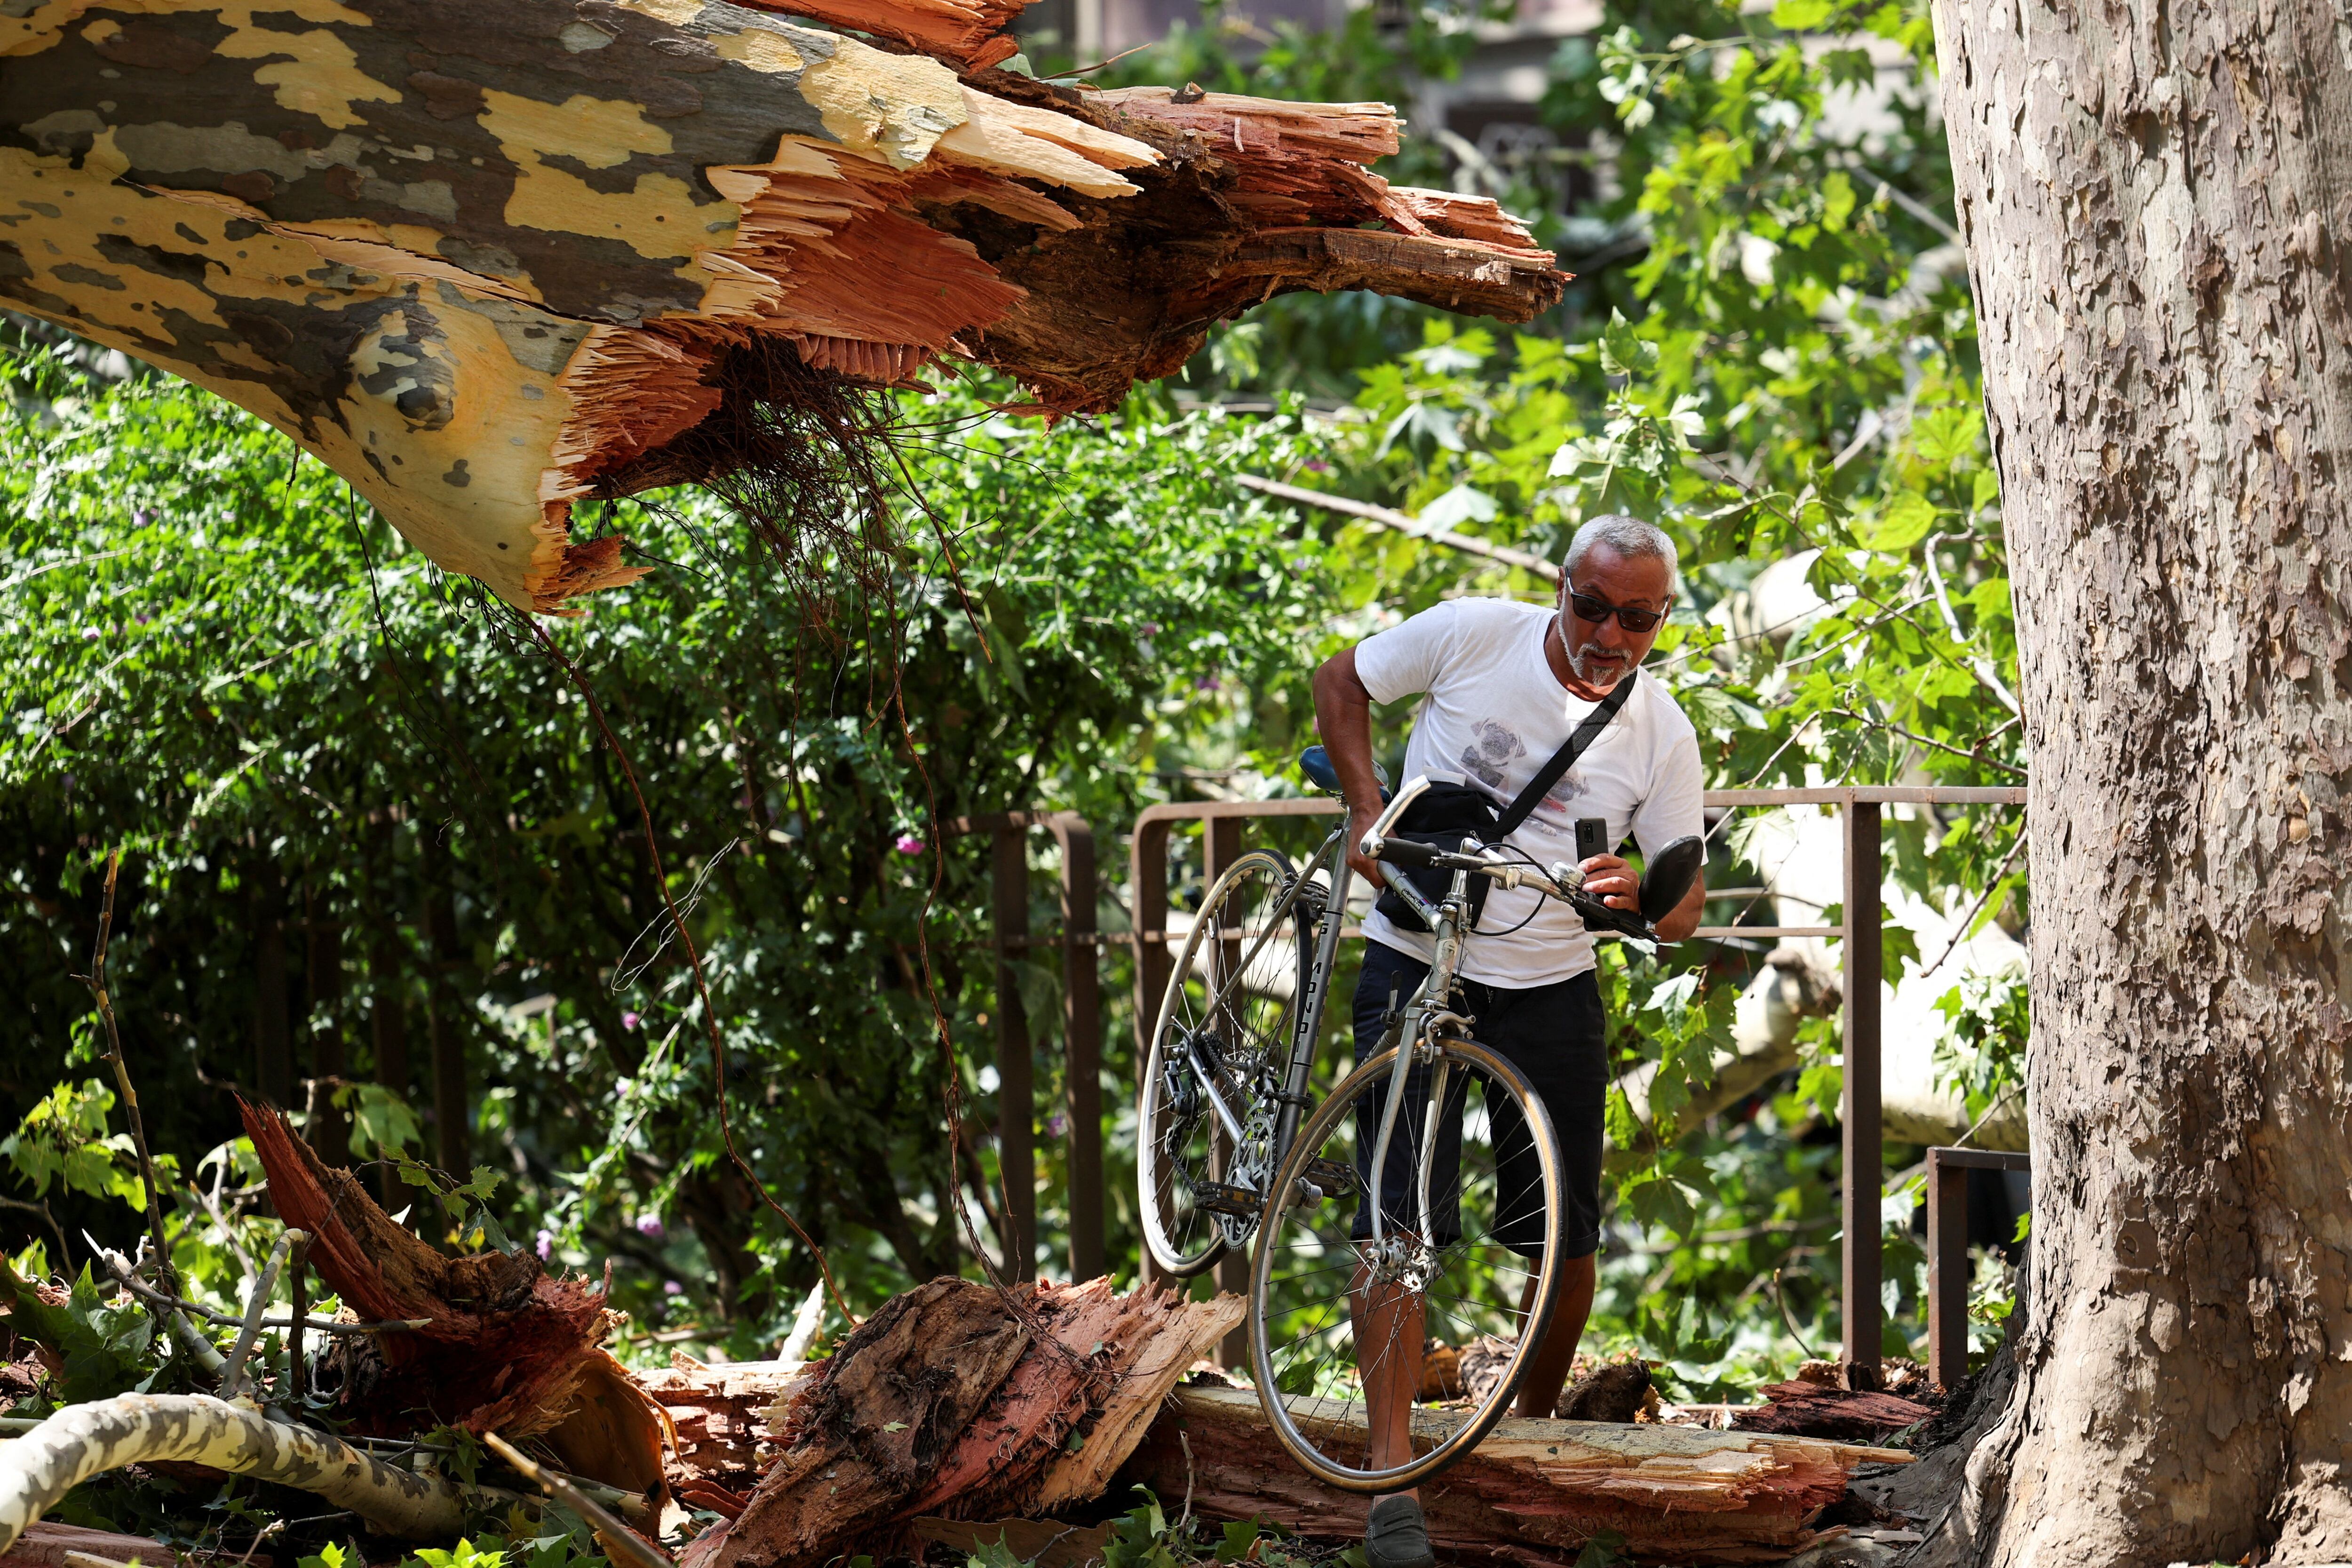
[83, 1440]
[2157, 202]
[484, 259]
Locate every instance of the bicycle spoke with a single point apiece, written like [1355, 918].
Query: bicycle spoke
[1313, 1278]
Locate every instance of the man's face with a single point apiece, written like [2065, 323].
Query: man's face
[1604, 652]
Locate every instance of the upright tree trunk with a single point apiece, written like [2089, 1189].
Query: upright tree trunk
[329, 1132]
[452, 1111]
[2156, 201]
[388, 1038]
[273, 1047]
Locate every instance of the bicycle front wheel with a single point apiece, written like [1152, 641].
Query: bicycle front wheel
[1219, 1050]
[1469, 1248]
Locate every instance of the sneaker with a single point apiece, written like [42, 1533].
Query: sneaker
[1396, 1536]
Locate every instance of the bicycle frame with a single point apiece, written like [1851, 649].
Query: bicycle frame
[1426, 1009]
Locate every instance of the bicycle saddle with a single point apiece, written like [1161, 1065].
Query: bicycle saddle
[1315, 763]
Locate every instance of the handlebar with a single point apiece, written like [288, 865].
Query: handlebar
[1564, 883]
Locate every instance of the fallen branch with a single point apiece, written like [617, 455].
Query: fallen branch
[1534, 1491]
[952, 1402]
[617, 1539]
[84, 1440]
[202, 1350]
[149, 1294]
[96, 981]
[233, 1378]
[1403, 522]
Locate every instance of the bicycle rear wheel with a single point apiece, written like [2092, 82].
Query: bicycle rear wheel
[1334, 1318]
[1224, 1024]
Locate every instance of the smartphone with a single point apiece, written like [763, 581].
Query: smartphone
[1591, 838]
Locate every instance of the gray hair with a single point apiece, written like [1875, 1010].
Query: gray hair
[1629, 536]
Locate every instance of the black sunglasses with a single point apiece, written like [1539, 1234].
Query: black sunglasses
[1638, 621]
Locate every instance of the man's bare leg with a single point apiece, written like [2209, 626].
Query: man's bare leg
[1555, 1353]
[1388, 1324]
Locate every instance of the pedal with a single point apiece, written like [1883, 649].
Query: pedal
[1220, 1197]
[1334, 1179]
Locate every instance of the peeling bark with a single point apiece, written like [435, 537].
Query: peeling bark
[2156, 201]
[508, 1349]
[485, 261]
[947, 1402]
[83, 1440]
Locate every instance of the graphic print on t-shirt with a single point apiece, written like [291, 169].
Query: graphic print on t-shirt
[1492, 710]
[1493, 747]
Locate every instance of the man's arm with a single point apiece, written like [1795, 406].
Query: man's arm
[1683, 919]
[1343, 716]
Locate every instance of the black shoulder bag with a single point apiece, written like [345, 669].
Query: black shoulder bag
[1444, 813]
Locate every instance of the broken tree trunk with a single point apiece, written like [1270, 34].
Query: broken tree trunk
[506, 1349]
[83, 1440]
[486, 259]
[1533, 1492]
[957, 1401]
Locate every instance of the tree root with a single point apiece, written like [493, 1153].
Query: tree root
[83, 1440]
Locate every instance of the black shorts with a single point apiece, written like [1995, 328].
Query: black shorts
[1557, 1036]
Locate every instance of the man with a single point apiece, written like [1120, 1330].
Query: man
[1505, 684]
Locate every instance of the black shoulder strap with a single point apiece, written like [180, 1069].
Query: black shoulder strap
[1562, 760]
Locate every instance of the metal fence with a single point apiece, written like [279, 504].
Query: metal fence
[1860, 807]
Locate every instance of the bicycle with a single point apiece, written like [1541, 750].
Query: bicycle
[1224, 1089]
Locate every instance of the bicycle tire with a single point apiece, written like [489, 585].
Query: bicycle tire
[1316, 1429]
[1179, 1148]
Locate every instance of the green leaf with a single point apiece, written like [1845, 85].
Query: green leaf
[1623, 352]
[1801, 15]
[1948, 435]
[1902, 523]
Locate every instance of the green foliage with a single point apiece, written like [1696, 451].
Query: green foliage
[226, 666]
[1982, 1057]
[105, 1348]
[63, 1139]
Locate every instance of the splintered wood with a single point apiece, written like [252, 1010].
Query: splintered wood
[1533, 1492]
[485, 259]
[953, 1402]
[506, 1347]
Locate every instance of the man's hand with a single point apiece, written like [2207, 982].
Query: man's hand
[1359, 822]
[1610, 880]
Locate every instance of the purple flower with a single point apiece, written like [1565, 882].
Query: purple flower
[1056, 1125]
[908, 845]
[90, 634]
[140, 517]
[650, 1224]
[628, 1022]
[546, 1245]
[672, 1288]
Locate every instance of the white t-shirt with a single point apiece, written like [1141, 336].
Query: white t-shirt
[1494, 714]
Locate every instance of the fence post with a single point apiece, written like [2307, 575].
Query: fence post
[1861, 1112]
[1947, 1254]
[1017, 1153]
[1148, 891]
[1948, 1271]
[1220, 846]
[1082, 1042]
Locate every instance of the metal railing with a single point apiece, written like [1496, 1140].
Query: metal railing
[1861, 808]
